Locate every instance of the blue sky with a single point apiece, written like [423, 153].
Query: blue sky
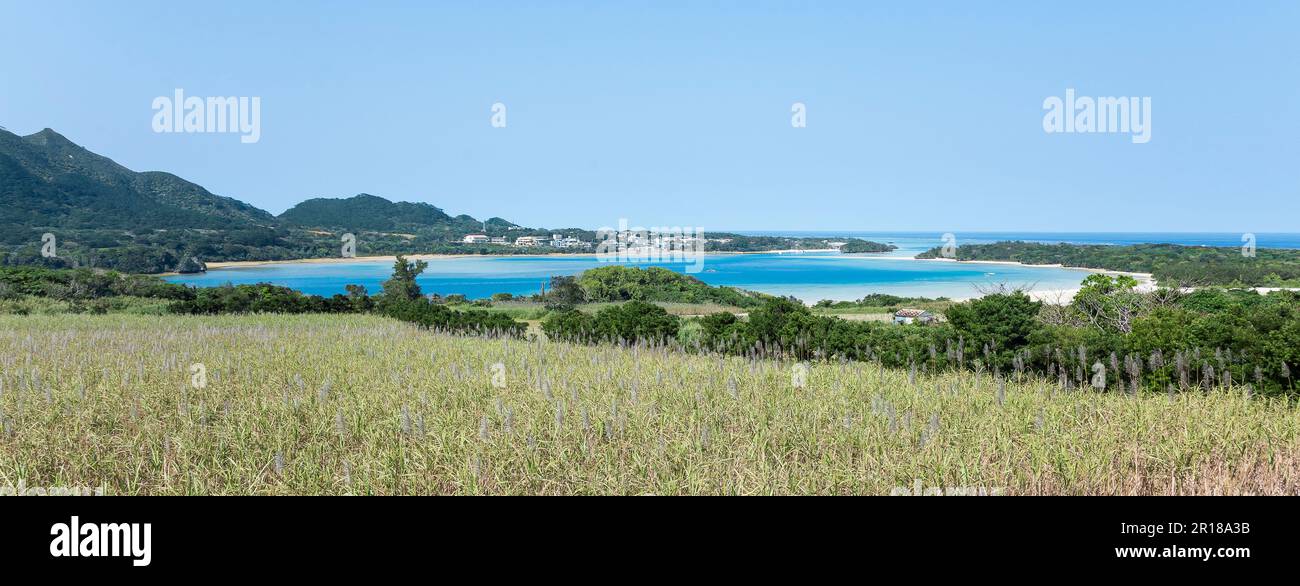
[922, 116]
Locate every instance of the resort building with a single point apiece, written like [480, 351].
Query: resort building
[907, 316]
[476, 239]
[528, 241]
[559, 241]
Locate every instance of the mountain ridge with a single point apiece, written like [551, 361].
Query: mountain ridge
[106, 215]
[102, 214]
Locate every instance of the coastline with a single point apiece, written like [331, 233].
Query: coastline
[1146, 282]
[427, 256]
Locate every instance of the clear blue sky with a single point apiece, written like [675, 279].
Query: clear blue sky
[920, 115]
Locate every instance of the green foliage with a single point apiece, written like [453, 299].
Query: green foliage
[565, 293]
[999, 324]
[369, 212]
[402, 285]
[781, 328]
[634, 321]
[858, 245]
[260, 298]
[1109, 302]
[882, 303]
[623, 283]
[428, 314]
[1171, 264]
[85, 284]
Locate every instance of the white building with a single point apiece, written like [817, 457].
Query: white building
[907, 316]
[568, 242]
[528, 241]
[475, 239]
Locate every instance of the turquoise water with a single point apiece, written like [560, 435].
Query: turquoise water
[911, 243]
[808, 276]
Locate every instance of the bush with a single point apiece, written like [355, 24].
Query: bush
[619, 283]
[441, 318]
[999, 325]
[259, 298]
[634, 321]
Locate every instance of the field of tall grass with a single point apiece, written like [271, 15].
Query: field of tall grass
[355, 404]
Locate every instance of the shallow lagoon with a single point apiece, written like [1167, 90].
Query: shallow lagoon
[808, 276]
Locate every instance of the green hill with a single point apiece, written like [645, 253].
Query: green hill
[48, 182]
[104, 215]
[369, 212]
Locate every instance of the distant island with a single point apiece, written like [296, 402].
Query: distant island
[104, 215]
[858, 245]
[1171, 265]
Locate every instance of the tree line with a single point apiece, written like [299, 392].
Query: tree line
[1170, 264]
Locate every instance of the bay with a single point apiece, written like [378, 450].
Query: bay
[809, 276]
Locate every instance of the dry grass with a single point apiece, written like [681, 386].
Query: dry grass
[108, 400]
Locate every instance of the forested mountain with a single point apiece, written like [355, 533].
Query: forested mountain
[1171, 264]
[47, 181]
[104, 215]
[369, 212]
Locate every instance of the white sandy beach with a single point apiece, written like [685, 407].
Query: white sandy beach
[393, 258]
[1146, 281]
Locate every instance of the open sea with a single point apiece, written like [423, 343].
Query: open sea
[808, 276]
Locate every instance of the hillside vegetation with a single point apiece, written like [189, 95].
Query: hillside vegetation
[103, 215]
[320, 404]
[624, 283]
[1172, 265]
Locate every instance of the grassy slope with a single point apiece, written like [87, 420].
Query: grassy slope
[140, 429]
